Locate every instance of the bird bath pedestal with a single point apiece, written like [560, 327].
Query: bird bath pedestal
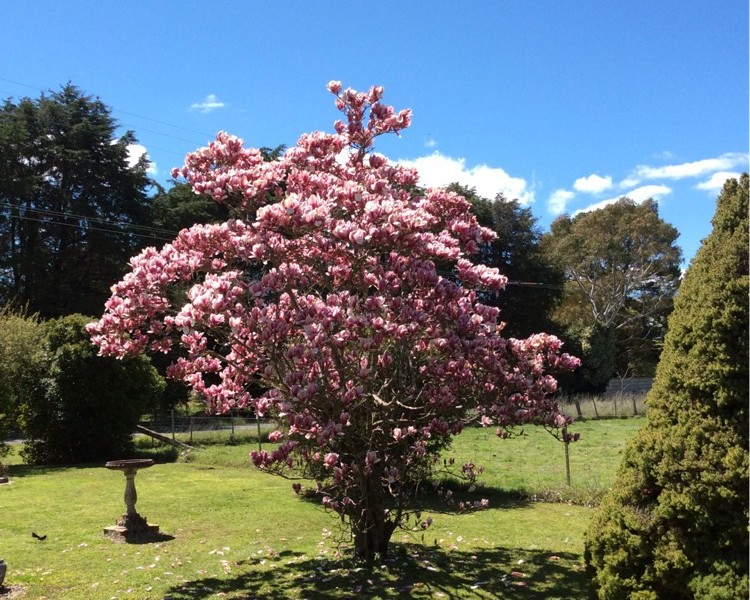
[131, 526]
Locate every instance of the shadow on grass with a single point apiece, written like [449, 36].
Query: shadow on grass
[433, 498]
[415, 571]
[153, 538]
[159, 456]
[24, 470]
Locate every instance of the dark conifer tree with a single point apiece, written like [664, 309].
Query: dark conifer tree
[71, 203]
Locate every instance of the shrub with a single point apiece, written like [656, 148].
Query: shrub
[87, 406]
[21, 365]
[595, 346]
[674, 525]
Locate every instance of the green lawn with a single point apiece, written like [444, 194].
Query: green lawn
[233, 532]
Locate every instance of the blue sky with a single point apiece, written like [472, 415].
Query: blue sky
[563, 105]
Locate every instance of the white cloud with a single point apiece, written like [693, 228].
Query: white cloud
[558, 201]
[628, 182]
[135, 151]
[211, 103]
[693, 169]
[430, 142]
[593, 184]
[716, 181]
[646, 192]
[664, 155]
[638, 195]
[437, 170]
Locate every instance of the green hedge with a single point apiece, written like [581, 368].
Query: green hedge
[87, 406]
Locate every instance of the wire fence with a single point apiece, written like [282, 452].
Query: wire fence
[615, 405]
[194, 428]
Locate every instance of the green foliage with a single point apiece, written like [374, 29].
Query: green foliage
[180, 207]
[69, 200]
[87, 406]
[595, 345]
[675, 523]
[535, 284]
[623, 270]
[21, 365]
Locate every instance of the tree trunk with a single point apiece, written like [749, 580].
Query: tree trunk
[374, 541]
[372, 529]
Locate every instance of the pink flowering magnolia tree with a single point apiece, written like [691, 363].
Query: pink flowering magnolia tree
[322, 306]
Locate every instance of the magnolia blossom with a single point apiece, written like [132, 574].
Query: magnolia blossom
[325, 304]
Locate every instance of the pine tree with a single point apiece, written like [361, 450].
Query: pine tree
[674, 525]
[70, 202]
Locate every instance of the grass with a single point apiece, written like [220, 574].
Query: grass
[231, 531]
[533, 464]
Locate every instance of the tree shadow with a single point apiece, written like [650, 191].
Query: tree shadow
[432, 497]
[414, 570]
[159, 456]
[462, 496]
[26, 470]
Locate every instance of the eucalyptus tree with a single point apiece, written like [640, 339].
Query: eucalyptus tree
[622, 266]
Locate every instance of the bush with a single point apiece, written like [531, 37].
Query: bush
[21, 366]
[595, 346]
[87, 406]
[674, 525]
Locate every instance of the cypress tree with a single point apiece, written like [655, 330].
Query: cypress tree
[675, 523]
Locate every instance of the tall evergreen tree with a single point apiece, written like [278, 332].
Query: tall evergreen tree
[68, 200]
[534, 283]
[675, 523]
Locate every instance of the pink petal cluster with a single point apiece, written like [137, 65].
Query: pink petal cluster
[323, 307]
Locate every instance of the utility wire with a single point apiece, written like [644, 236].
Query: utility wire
[100, 220]
[152, 232]
[92, 228]
[534, 284]
[131, 114]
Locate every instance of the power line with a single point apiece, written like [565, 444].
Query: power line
[124, 112]
[100, 220]
[152, 233]
[92, 228]
[534, 284]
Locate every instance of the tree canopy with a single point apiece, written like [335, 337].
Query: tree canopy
[623, 268]
[322, 306]
[84, 407]
[22, 363]
[68, 200]
[674, 524]
[534, 286]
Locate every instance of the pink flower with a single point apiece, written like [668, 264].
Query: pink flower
[358, 237]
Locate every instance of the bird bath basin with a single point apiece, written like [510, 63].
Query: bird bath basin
[131, 526]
